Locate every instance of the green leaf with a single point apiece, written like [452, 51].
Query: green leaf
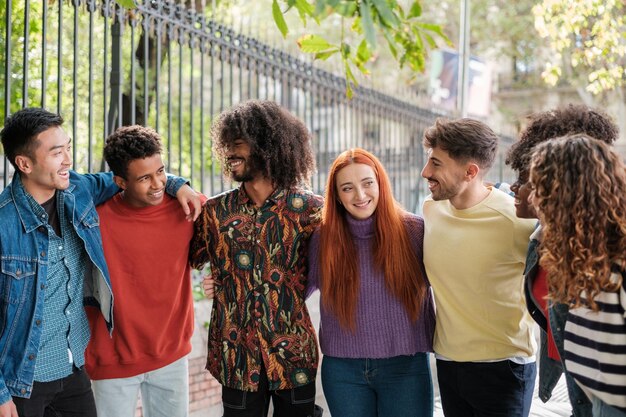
[431, 42]
[305, 9]
[326, 54]
[391, 44]
[363, 52]
[346, 9]
[345, 50]
[387, 15]
[128, 4]
[279, 19]
[314, 44]
[416, 10]
[436, 29]
[368, 23]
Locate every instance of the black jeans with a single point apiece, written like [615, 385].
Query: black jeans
[486, 389]
[67, 397]
[296, 402]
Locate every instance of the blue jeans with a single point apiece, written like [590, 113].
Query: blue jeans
[602, 409]
[486, 389]
[164, 392]
[394, 387]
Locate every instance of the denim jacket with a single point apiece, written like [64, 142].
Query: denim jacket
[550, 370]
[23, 270]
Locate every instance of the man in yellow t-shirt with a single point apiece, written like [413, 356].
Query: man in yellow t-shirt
[474, 253]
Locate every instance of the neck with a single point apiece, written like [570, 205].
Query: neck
[473, 194]
[259, 189]
[41, 195]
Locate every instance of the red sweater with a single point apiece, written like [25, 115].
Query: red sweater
[146, 250]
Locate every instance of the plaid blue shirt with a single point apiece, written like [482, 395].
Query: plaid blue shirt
[65, 329]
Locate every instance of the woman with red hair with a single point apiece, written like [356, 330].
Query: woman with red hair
[377, 317]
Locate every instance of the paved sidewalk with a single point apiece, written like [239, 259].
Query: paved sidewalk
[558, 406]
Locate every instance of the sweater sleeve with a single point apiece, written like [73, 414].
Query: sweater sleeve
[312, 282]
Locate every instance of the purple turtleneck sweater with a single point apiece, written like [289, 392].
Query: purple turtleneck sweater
[383, 328]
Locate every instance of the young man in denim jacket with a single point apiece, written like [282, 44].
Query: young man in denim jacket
[51, 262]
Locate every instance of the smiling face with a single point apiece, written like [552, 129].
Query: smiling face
[145, 182]
[240, 164]
[357, 190]
[48, 168]
[446, 176]
[522, 189]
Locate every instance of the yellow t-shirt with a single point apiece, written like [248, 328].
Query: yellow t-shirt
[474, 259]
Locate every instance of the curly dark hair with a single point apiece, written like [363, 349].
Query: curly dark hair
[579, 185]
[280, 143]
[556, 123]
[129, 143]
[464, 140]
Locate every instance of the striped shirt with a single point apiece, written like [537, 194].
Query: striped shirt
[595, 348]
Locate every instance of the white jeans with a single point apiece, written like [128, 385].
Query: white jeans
[164, 393]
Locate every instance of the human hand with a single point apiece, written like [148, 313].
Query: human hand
[190, 201]
[8, 409]
[208, 285]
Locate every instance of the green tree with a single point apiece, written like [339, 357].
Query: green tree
[400, 27]
[588, 38]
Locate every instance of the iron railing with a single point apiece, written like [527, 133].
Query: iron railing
[168, 66]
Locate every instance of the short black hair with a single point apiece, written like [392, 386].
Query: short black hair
[464, 140]
[129, 143]
[21, 129]
[280, 143]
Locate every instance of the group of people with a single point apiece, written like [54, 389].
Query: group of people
[462, 282]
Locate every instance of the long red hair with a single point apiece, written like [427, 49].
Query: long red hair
[393, 252]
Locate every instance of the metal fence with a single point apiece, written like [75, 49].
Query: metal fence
[168, 66]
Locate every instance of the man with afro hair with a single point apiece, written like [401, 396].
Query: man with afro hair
[262, 343]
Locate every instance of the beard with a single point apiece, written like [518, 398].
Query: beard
[251, 170]
[441, 193]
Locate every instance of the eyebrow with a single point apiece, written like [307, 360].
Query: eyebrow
[60, 146]
[150, 173]
[350, 182]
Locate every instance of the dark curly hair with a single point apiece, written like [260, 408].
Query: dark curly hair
[280, 143]
[579, 185]
[129, 143]
[556, 123]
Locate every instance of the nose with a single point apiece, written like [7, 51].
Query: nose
[425, 171]
[67, 157]
[359, 192]
[158, 182]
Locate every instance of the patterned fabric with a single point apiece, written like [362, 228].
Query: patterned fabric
[257, 258]
[65, 330]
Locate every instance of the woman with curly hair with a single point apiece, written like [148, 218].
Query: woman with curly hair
[551, 316]
[377, 318]
[579, 192]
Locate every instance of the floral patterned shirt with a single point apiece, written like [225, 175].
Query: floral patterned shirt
[257, 257]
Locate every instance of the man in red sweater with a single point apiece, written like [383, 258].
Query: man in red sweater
[146, 244]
